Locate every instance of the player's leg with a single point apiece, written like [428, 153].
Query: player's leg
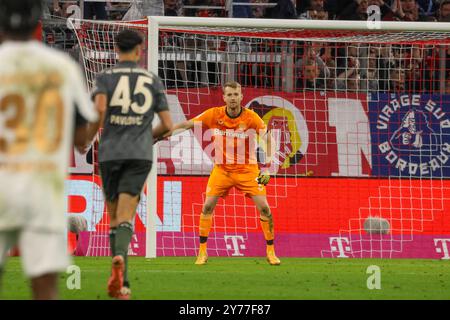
[219, 183]
[44, 256]
[266, 221]
[247, 183]
[205, 226]
[45, 287]
[8, 239]
[126, 211]
[111, 206]
[121, 274]
[110, 174]
[131, 183]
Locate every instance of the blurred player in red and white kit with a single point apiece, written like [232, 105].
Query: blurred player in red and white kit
[44, 109]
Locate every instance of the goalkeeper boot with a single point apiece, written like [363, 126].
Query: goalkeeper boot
[115, 281]
[272, 258]
[124, 294]
[202, 257]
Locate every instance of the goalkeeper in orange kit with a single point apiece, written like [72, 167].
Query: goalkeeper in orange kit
[235, 130]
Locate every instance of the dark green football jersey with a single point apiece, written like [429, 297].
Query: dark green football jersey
[134, 95]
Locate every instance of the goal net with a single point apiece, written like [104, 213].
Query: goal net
[360, 119]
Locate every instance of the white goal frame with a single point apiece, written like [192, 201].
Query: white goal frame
[155, 23]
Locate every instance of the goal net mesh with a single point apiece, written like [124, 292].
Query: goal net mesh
[361, 125]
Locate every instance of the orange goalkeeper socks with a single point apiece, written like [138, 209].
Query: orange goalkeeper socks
[205, 226]
[267, 228]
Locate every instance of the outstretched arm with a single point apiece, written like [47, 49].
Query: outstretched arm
[176, 129]
[164, 126]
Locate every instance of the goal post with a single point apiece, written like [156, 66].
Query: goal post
[152, 183]
[360, 115]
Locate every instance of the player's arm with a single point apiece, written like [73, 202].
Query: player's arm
[85, 113]
[100, 98]
[100, 102]
[81, 135]
[204, 118]
[176, 129]
[79, 139]
[163, 127]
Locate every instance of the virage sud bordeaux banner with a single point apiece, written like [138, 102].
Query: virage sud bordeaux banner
[410, 135]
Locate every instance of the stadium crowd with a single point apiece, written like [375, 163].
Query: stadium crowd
[358, 67]
[391, 10]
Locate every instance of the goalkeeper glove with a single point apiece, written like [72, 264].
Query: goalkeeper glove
[264, 177]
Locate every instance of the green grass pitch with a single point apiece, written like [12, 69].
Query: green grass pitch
[250, 279]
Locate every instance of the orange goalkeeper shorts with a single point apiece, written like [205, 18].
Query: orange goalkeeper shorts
[221, 181]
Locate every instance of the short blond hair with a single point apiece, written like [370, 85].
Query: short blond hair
[231, 84]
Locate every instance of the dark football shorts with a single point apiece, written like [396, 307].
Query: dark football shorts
[124, 176]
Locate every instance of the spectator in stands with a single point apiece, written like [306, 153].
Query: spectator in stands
[410, 10]
[152, 8]
[145, 8]
[95, 10]
[427, 7]
[353, 82]
[385, 9]
[396, 80]
[117, 10]
[330, 6]
[369, 70]
[348, 67]
[242, 11]
[312, 52]
[309, 76]
[414, 77]
[349, 78]
[62, 9]
[259, 11]
[206, 11]
[355, 10]
[284, 9]
[310, 5]
[405, 10]
[443, 13]
[172, 8]
[312, 14]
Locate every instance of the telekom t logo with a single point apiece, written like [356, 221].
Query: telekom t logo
[338, 244]
[134, 244]
[235, 245]
[442, 247]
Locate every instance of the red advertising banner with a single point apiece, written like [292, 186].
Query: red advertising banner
[321, 208]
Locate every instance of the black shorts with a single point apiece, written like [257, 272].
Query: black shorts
[124, 176]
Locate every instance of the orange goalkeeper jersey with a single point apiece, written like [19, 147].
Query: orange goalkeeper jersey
[235, 139]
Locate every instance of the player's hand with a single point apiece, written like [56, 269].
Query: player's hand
[264, 177]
